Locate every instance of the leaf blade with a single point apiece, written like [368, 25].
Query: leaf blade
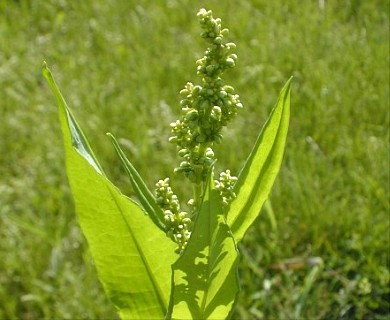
[204, 279]
[261, 168]
[123, 240]
[144, 195]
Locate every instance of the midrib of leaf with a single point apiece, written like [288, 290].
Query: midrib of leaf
[88, 155]
[48, 76]
[153, 280]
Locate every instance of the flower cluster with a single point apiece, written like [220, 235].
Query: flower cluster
[208, 107]
[176, 221]
[225, 186]
[205, 109]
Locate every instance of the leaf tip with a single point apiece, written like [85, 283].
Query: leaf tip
[47, 75]
[113, 139]
[45, 69]
[288, 83]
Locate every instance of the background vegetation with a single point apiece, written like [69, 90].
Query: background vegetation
[121, 64]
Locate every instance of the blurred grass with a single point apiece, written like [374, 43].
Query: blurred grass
[121, 64]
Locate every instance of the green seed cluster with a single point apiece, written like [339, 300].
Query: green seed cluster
[208, 107]
[225, 186]
[205, 109]
[177, 222]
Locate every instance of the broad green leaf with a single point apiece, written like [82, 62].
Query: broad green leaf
[145, 197]
[132, 256]
[205, 282]
[261, 168]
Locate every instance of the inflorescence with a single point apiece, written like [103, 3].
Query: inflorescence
[206, 109]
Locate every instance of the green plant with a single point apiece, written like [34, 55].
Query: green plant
[196, 276]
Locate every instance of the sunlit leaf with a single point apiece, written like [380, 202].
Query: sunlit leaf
[125, 244]
[261, 168]
[205, 282]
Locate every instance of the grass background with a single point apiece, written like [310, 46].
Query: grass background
[121, 64]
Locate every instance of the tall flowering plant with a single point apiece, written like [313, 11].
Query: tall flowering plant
[154, 259]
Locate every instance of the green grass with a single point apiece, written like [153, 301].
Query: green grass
[121, 64]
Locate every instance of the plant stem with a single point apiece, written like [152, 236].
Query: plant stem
[198, 191]
[198, 186]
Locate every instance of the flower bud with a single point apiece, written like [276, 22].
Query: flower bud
[186, 220]
[222, 94]
[184, 164]
[228, 89]
[217, 110]
[230, 46]
[172, 139]
[183, 152]
[218, 40]
[196, 90]
[184, 92]
[230, 62]
[225, 32]
[183, 215]
[209, 153]
[192, 115]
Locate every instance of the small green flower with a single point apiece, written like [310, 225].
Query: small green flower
[176, 221]
[225, 186]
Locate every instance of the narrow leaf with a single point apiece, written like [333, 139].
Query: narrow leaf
[142, 192]
[205, 282]
[261, 168]
[124, 243]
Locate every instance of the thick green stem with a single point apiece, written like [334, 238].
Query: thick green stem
[198, 186]
[198, 191]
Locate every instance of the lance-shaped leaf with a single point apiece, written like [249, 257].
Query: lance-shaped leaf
[205, 282]
[144, 195]
[125, 244]
[261, 168]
